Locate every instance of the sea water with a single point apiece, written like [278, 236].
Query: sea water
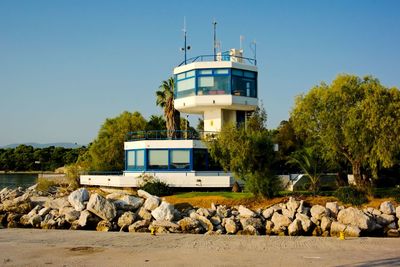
[14, 180]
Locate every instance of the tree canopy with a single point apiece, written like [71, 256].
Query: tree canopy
[355, 120]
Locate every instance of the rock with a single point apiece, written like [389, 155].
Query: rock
[204, 222]
[318, 211]
[305, 222]
[20, 207]
[357, 218]
[230, 226]
[125, 202]
[126, 219]
[151, 203]
[336, 228]
[398, 212]
[44, 211]
[190, 226]
[164, 227]
[245, 212]
[387, 208]
[78, 197]
[213, 206]
[333, 208]
[326, 224]
[144, 194]
[292, 204]
[280, 221]
[34, 211]
[288, 213]
[267, 213]
[165, 212]
[391, 226]
[139, 226]
[203, 212]
[35, 220]
[317, 231]
[215, 220]
[249, 230]
[104, 226]
[255, 222]
[144, 214]
[352, 231]
[269, 227]
[72, 215]
[24, 220]
[102, 207]
[222, 211]
[57, 204]
[385, 219]
[393, 233]
[83, 218]
[295, 228]
[302, 209]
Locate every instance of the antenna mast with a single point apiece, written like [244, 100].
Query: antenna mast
[253, 47]
[185, 47]
[215, 40]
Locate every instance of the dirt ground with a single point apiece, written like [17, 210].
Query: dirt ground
[29, 247]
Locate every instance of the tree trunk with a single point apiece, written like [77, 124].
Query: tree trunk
[360, 179]
[341, 178]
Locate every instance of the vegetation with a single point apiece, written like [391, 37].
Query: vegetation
[351, 195]
[28, 158]
[165, 99]
[43, 184]
[157, 187]
[352, 120]
[247, 151]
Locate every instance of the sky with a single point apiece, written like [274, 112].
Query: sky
[66, 66]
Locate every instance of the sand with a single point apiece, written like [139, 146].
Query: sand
[29, 247]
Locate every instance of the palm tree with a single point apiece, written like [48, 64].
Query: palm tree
[165, 99]
[308, 162]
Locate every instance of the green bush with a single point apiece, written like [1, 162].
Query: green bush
[396, 193]
[157, 187]
[351, 195]
[263, 184]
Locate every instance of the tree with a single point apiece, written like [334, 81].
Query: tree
[156, 123]
[165, 99]
[247, 151]
[106, 153]
[353, 119]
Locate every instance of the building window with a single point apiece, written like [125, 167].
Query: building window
[200, 159]
[140, 159]
[180, 159]
[244, 83]
[158, 159]
[130, 155]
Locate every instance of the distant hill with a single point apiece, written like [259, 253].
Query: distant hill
[36, 145]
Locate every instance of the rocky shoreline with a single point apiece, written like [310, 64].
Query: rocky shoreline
[82, 210]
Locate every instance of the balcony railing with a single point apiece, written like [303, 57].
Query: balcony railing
[169, 135]
[223, 57]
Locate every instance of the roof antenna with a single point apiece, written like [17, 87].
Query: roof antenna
[241, 41]
[185, 46]
[253, 47]
[215, 39]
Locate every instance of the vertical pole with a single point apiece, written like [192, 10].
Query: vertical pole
[215, 40]
[184, 36]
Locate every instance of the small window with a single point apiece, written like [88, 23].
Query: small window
[249, 74]
[181, 76]
[158, 159]
[206, 81]
[237, 72]
[140, 159]
[191, 73]
[221, 71]
[205, 72]
[130, 159]
[180, 159]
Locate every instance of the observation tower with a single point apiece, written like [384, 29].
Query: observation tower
[220, 87]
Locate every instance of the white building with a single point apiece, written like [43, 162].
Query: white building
[221, 88]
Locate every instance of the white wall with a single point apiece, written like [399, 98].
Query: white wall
[212, 120]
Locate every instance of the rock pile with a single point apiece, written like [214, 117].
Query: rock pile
[145, 213]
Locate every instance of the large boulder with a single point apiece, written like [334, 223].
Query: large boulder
[387, 208]
[398, 212]
[102, 207]
[204, 222]
[267, 213]
[336, 228]
[78, 198]
[384, 219]
[151, 203]
[352, 231]
[269, 226]
[164, 227]
[305, 222]
[104, 226]
[126, 219]
[139, 226]
[355, 217]
[230, 226]
[333, 208]
[255, 222]
[318, 211]
[280, 220]
[245, 212]
[165, 212]
[143, 194]
[295, 228]
[249, 230]
[190, 226]
[144, 214]
[289, 213]
[292, 204]
[125, 202]
[57, 204]
[326, 223]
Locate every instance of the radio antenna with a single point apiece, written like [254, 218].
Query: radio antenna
[185, 46]
[253, 47]
[215, 39]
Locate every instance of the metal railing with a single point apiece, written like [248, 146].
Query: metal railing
[223, 57]
[169, 135]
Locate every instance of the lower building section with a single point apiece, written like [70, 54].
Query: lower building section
[191, 179]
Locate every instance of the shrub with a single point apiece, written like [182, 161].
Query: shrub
[43, 184]
[396, 193]
[73, 175]
[351, 195]
[156, 187]
[263, 184]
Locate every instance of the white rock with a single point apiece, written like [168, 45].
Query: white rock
[387, 208]
[295, 228]
[102, 207]
[385, 219]
[398, 212]
[204, 222]
[336, 228]
[34, 211]
[230, 226]
[78, 197]
[245, 212]
[151, 203]
[318, 211]
[357, 218]
[305, 221]
[280, 221]
[144, 214]
[255, 222]
[333, 208]
[139, 226]
[292, 204]
[125, 201]
[352, 231]
[143, 194]
[288, 213]
[325, 223]
[165, 212]
[126, 219]
[267, 213]
[44, 211]
[83, 218]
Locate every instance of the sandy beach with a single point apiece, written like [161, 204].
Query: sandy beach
[29, 247]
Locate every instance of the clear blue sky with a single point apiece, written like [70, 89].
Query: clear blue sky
[66, 66]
